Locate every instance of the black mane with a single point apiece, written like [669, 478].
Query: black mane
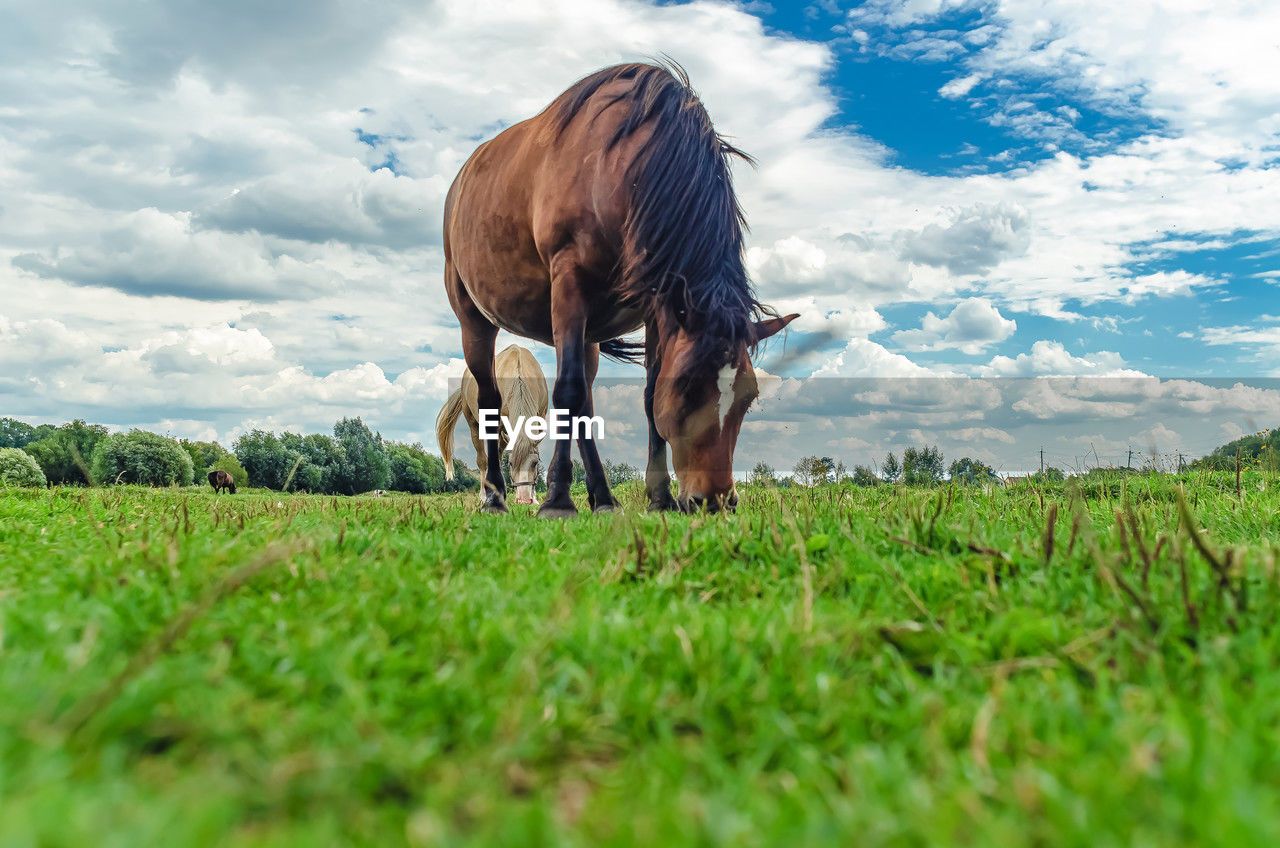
[682, 240]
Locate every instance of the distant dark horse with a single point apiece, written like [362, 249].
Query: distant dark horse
[221, 480]
[610, 210]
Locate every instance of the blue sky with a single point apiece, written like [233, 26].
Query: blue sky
[217, 220]
[890, 94]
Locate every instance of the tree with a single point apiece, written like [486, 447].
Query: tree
[763, 474]
[204, 455]
[143, 458]
[813, 470]
[64, 455]
[1049, 475]
[15, 433]
[18, 468]
[839, 472]
[413, 469]
[891, 470]
[971, 472]
[318, 459]
[922, 466]
[363, 465]
[266, 460]
[864, 476]
[619, 472]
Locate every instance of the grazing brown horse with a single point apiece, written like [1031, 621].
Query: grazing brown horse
[613, 209]
[221, 480]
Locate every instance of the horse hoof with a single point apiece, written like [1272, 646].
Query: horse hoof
[663, 506]
[604, 507]
[549, 511]
[494, 507]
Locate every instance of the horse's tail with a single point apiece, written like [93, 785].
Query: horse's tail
[445, 423]
[521, 399]
[624, 351]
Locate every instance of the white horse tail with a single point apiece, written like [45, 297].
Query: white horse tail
[445, 422]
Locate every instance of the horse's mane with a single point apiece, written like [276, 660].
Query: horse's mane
[683, 236]
[519, 398]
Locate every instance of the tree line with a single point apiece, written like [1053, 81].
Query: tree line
[353, 460]
[919, 466]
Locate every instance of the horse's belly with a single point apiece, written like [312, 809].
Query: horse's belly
[610, 323]
[519, 306]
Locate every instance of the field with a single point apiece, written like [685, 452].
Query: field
[846, 667]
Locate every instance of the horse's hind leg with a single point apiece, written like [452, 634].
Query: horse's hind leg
[598, 494]
[478, 336]
[474, 427]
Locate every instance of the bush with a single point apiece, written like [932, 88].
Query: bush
[142, 458]
[17, 468]
[65, 454]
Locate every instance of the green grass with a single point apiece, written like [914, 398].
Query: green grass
[857, 667]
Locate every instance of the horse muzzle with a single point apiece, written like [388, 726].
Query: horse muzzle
[698, 503]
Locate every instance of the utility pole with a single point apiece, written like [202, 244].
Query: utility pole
[1129, 464]
[1041, 461]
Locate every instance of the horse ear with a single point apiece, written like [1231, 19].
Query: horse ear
[765, 329]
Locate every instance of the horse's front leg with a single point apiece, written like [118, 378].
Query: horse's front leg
[570, 395]
[657, 480]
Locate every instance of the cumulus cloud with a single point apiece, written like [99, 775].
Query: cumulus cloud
[1050, 358]
[848, 264]
[150, 252]
[344, 201]
[863, 358]
[973, 325]
[974, 241]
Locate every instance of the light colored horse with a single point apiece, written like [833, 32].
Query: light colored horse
[523, 389]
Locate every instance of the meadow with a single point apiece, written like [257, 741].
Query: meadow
[839, 666]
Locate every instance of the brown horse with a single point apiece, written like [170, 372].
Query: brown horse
[221, 480]
[613, 209]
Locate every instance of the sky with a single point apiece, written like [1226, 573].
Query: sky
[225, 216]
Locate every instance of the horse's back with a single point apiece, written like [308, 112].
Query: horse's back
[517, 363]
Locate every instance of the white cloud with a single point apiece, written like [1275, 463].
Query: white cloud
[1050, 358]
[960, 86]
[150, 252]
[973, 241]
[863, 358]
[973, 325]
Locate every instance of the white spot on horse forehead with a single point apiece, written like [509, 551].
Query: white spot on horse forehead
[724, 383]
